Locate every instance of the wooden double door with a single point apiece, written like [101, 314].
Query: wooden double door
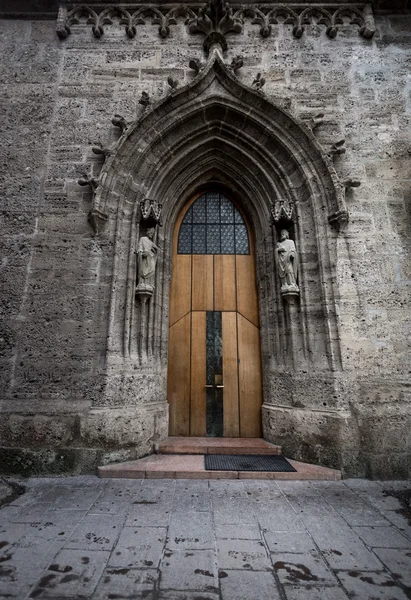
[214, 358]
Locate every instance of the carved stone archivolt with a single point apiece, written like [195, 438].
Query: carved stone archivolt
[217, 18]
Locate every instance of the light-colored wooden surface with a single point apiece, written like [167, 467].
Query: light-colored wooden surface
[202, 282]
[224, 282]
[230, 375]
[180, 291]
[247, 303]
[249, 377]
[178, 383]
[198, 374]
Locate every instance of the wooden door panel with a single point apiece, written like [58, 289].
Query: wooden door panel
[178, 384]
[198, 374]
[249, 378]
[247, 303]
[202, 282]
[224, 282]
[230, 375]
[180, 296]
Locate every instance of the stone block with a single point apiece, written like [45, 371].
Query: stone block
[189, 570]
[140, 547]
[240, 585]
[242, 555]
[304, 569]
[72, 572]
[368, 584]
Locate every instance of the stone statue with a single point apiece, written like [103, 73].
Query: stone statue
[146, 261]
[287, 264]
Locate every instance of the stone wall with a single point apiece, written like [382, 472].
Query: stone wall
[58, 389]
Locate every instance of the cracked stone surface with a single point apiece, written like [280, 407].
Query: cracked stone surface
[83, 537]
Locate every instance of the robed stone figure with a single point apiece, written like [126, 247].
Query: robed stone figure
[287, 264]
[146, 261]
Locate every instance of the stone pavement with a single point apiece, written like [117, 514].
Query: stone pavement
[82, 537]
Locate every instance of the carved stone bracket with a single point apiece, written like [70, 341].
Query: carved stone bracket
[339, 219]
[217, 18]
[151, 210]
[282, 210]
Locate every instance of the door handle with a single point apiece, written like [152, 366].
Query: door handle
[219, 386]
[209, 386]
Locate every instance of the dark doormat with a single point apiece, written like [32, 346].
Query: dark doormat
[246, 462]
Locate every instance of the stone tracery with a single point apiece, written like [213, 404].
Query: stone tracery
[227, 18]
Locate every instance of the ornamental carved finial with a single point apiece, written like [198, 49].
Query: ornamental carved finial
[215, 20]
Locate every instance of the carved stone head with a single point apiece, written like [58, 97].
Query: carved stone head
[284, 235]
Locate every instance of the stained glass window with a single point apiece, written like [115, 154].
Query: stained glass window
[213, 225]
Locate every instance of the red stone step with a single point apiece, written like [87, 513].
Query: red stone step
[207, 445]
[177, 466]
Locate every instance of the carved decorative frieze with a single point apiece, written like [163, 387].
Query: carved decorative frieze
[215, 20]
[218, 18]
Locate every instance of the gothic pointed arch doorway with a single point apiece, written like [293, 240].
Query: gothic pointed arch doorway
[214, 358]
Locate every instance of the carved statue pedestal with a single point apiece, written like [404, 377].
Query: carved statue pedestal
[291, 294]
[144, 291]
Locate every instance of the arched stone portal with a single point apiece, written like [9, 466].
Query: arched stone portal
[217, 130]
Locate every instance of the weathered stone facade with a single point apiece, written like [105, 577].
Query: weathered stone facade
[83, 362]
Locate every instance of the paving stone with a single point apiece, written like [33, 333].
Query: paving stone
[370, 585]
[154, 515]
[81, 498]
[237, 532]
[21, 569]
[122, 583]
[25, 514]
[140, 547]
[340, 545]
[195, 498]
[398, 562]
[234, 511]
[242, 554]
[241, 585]
[11, 533]
[72, 573]
[194, 570]
[314, 593]
[227, 488]
[173, 595]
[282, 541]
[278, 516]
[95, 532]
[382, 537]
[110, 507]
[353, 508]
[399, 521]
[303, 569]
[190, 531]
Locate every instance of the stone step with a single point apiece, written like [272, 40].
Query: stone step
[208, 445]
[178, 466]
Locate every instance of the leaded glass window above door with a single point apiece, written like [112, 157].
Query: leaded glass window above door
[213, 225]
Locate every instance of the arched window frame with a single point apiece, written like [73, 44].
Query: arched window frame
[213, 225]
